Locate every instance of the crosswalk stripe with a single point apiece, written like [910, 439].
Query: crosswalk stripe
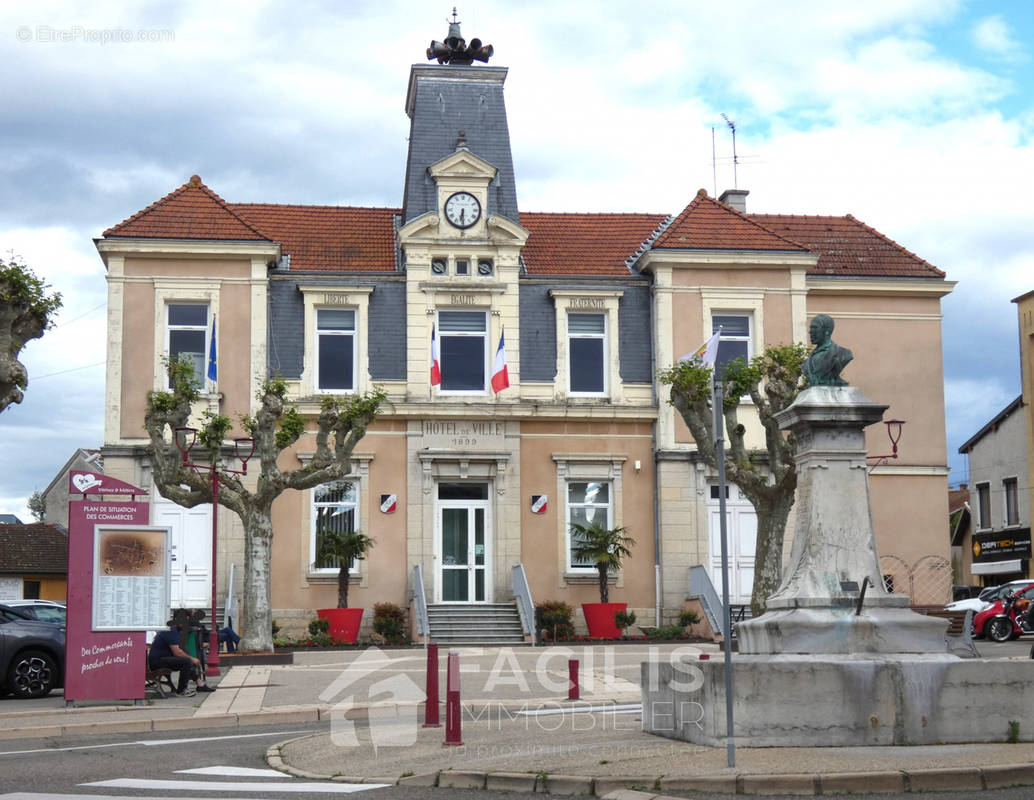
[234, 772]
[234, 786]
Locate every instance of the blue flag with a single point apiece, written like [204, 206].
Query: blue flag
[213, 370]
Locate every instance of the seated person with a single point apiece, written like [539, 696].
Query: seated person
[229, 637]
[166, 652]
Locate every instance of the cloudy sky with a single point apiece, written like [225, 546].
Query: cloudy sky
[913, 115]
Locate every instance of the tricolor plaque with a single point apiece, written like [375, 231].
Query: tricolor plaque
[389, 502]
[538, 503]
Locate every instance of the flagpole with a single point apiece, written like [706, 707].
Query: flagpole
[719, 443]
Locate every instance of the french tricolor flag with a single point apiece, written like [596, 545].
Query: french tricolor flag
[436, 359]
[500, 377]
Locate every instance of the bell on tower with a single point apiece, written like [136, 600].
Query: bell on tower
[454, 49]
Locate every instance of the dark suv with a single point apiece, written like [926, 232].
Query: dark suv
[32, 655]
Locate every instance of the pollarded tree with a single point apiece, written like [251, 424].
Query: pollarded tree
[277, 425]
[26, 312]
[767, 477]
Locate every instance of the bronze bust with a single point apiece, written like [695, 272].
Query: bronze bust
[828, 359]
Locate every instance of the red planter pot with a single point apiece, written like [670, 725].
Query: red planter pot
[600, 619]
[344, 623]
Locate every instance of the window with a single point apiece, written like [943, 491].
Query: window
[984, 505]
[1012, 509]
[462, 266]
[30, 590]
[462, 337]
[735, 341]
[187, 335]
[335, 334]
[587, 352]
[587, 502]
[334, 509]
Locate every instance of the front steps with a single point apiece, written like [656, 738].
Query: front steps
[474, 624]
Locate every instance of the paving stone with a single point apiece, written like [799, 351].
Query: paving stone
[958, 779]
[511, 781]
[424, 779]
[461, 779]
[862, 782]
[607, 785]
[715, 784]
[779, 784]
[565, 784]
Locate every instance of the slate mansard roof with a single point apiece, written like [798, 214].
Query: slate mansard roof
[349, 238]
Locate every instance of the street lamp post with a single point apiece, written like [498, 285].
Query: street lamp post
[185, 438]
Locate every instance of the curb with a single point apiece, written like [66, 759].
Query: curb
[614, 787]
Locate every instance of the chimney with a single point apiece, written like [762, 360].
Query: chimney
[735, 198]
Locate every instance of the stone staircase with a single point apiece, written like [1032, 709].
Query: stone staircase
[483, 623]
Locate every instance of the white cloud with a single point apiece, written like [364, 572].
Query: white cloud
[994, 36]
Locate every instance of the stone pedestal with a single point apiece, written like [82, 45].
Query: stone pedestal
[834, 547]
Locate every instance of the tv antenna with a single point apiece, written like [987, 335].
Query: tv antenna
[735, 161]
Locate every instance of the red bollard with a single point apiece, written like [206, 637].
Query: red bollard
[572, 679]
[431, 705]
[452, 702]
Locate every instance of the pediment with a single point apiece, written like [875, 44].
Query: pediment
[463, 164]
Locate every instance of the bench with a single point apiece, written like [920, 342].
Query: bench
[960, 630]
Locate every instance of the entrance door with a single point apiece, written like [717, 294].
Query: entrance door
[462, 543]
[190, 551]
[742, 527]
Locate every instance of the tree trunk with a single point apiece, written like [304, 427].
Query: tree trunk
[257, 620]
[773, 513]
[342, 587]
[604, 589]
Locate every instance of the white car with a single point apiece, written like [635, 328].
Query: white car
[986, 597]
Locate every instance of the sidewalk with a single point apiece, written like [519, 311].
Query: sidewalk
[519, 731]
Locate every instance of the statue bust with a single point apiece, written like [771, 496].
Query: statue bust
[825, 362]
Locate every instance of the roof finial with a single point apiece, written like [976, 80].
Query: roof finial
[461, 141]
[454, 49]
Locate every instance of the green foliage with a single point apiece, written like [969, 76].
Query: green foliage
[38, 506]
[688, 618]
[605, 547]
[20, 286]
[389, 620]
[624, 619]
[665, 632]
[318, 626]
[322, 640]
[691, 378]
[276, 628]
[292, 425]
[1014, 732]
[555, 619]
[343, 547]
[214, 428]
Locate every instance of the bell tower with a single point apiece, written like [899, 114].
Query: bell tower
[457, 106]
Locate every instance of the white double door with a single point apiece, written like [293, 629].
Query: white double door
[462, 544]
[742, 530]
[190, 552]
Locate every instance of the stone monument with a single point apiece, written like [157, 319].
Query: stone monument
[836, 659]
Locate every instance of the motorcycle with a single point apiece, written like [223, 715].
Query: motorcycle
[1003, 620]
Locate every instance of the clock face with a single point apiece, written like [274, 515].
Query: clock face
[462, 209]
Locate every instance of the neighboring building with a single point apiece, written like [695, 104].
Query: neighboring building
[339, 299]
[960, 534]
[9, 519]
[1025, 314]
[1000, 546]
[56, 496]
[33, 562]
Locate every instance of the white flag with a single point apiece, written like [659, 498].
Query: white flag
[707, 353]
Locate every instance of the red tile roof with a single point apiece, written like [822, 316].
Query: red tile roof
[585, 244]
[33, 548]
[328, 237]
[849, 247]
[192, 211]
[706, 224]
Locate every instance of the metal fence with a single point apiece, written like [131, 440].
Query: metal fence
[927, 581]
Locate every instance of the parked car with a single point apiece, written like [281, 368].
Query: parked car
[32, 655]
[999, 620]
[42, 610]
[986, 597]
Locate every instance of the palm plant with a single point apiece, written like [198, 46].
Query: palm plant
[605, 547]
[344, 547]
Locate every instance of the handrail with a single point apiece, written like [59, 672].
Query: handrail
[423, 624]
[700, 586]
[525, 605]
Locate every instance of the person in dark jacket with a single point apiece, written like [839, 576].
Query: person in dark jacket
[166, 652]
